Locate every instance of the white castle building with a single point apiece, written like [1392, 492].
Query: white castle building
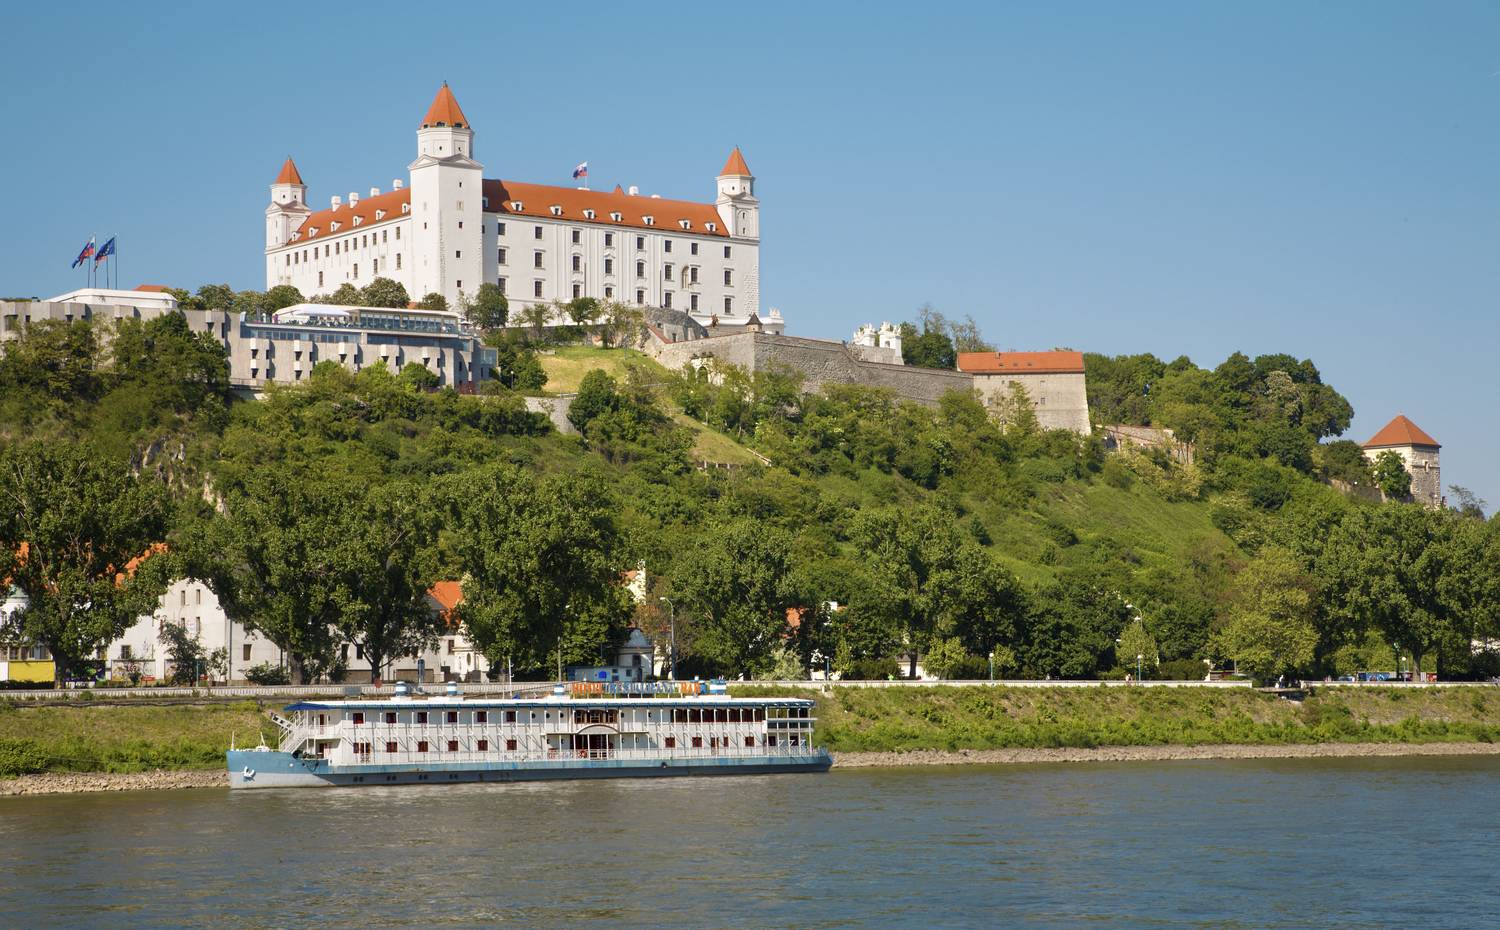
[451, 229]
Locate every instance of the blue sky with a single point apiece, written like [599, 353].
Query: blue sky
[1197, 178]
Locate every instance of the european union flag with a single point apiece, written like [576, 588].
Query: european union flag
[105, 250]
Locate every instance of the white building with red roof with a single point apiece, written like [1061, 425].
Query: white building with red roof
[1053, 381]
[1419, 453]
[450, 229]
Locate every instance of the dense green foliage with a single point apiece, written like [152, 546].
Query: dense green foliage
[320, 514]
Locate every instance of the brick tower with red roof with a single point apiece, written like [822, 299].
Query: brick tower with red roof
[1418, 451]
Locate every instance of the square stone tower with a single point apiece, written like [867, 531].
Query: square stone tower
[1420, 453]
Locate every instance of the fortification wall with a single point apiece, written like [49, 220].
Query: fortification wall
[819, 361]
[1060, 399]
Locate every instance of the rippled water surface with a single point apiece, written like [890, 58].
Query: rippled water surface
[1274, 843]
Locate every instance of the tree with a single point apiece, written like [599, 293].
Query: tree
[1391, 476]
[184, 651]
[1135, 640]
[384, 292]
[285, 295]
[346, 295]
[78, 534]
[419, 377]
[516, 365]
[385, 567]
[489, 309]
[268, 555]
[597, 394]
[537, 316]
[1270, 629]
[539, 560]
[1466, 502]
[1072, 627]
[433, 301]
[216, 296]
[734, 586]
[583, 310]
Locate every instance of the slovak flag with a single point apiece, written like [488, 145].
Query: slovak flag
[582, 171]
[86, 254]
[105, 250]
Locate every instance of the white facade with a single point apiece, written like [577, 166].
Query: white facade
[140, 298]
[452, 230]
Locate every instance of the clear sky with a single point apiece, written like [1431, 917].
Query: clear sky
[1197, 178]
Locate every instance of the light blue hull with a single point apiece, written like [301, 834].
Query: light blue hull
[250, 768]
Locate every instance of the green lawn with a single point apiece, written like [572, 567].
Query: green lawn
[566, 365]
[83, 738]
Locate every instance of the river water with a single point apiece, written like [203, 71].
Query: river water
[1264, 843]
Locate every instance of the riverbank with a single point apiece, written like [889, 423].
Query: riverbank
[90, 782]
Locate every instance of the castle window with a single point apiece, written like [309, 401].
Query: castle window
[538, 233]
[517, 206]
[320, 279]
[379, 214]
[640, 297]
[460, 224]
[556, 210]
[500, 283]
[398, 259]
[666, 245]
[577, 291]
[666, 300]
[383, 234]
[649, 220]
[666, 272]
[640, 269]
[693, 274]
[577, 236]
[609, 266]
[458, 253]
[609, 292]
[693, 301]
[536, 288]
[374, 266]
[577, 263]
[588, 214]
[336, 249]
[609, 240]
[712, 227]
[615, 216]
[693, 247]
[686, 224]
[502, 256]
[640, 243]
[536, 260]
[729, 277]
[726, 251]
[356, 271]
[499, 229]
[728, 306]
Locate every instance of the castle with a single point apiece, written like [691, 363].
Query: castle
[452, 229]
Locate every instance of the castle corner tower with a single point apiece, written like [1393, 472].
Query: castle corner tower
[736, 202]
[288, 206]
[1418, 451]
[447, 204]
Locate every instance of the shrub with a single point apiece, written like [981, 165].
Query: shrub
[1182, 670]
[871, 669]
[268, 674]
[21, 757]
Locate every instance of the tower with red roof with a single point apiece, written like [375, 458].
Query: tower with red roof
[1418, 451]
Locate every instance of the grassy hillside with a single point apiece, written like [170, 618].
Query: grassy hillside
[566, 365]
[80, 738]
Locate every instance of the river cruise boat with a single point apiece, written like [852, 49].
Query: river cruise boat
[583, 730]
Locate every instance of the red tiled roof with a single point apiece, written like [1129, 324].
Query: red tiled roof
[391, 202]
[736, 164]
[448, 593]
[1401, 432]
[539, 199]
[445, 111]
[152, 288]
[1023, 363]
[289, 173]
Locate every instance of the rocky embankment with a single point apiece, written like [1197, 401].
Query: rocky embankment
[1157, 753]
[70, 783]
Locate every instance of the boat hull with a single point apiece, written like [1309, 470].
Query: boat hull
[272, 769]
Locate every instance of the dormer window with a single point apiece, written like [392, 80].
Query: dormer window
[556, 210]
[712, 227]
[379, 214]
[588, 214]
[517, 206]
[296, 236]
[333, 226]
[686, 224]
[485, 202]
[405, 209]
[358, 220]
[615, 216]
[649, 220]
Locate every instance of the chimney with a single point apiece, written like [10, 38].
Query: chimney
[374, 192]
[656, 196]
[397, 184]
[353, 198]
[634, 191]
[335, 202]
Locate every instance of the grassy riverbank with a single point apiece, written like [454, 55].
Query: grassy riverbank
[82, 738]
[907, 719]
[126, 739]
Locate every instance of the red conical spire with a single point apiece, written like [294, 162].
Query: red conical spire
[736, 165]
[289, 174]
[445, 111]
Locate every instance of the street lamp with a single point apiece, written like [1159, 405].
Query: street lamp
[1139, 659]
[672, 628]
[992, 666]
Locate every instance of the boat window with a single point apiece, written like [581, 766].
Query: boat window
[481, 716]
[721, 714]
[760, 714]
[453, 745]
[697, 742]
[680, 715]
[510, 716]
[734, 715]
[671, 742]
[749, 741]
[357, 717]
[453, 716]
[695, 715]
[422, 717]
[484, 745]
[421, 745]
[390, 717]
[771, 740]
[390, 745]
[510, 744]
